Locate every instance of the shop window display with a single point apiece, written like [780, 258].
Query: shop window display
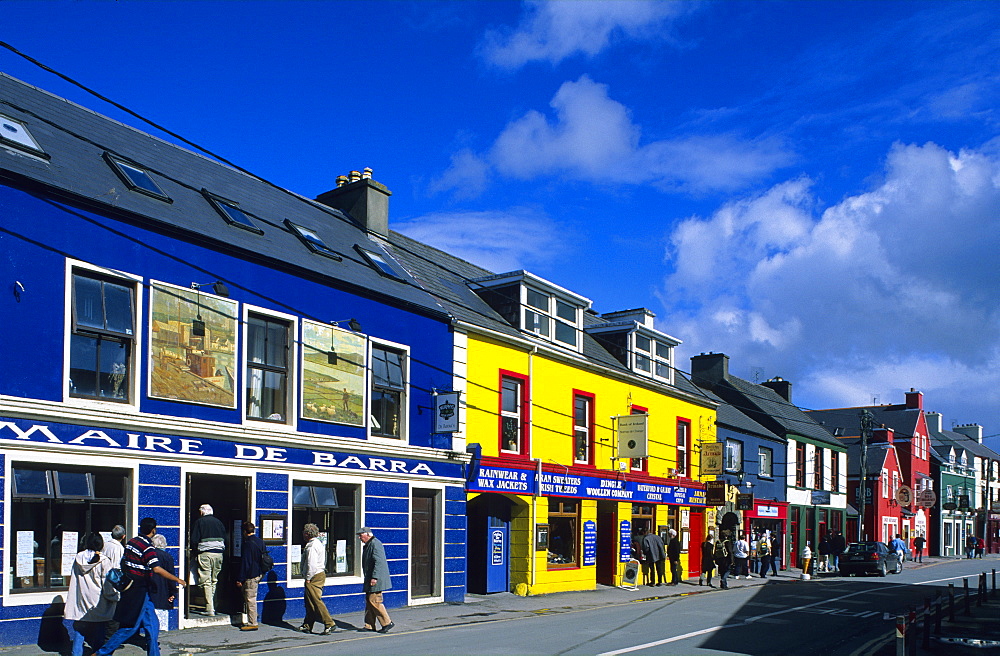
[51, 510]
[564, 516]
[333, 508]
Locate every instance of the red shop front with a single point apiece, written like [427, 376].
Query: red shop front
[772, 517]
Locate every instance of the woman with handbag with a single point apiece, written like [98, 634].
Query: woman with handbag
[91, 600]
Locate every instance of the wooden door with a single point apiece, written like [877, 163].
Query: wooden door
[423, 545]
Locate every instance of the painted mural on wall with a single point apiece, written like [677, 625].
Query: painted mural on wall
[192, 346]
[333, 374]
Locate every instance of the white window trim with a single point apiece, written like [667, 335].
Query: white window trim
[739, 465]
[884, 480]
[291, 539]
[522, 403]
[292, 400]
[132, 405]
[56, 458]
[439, 530]
[761, 451]
[651, 355]
[551, 314]
[404, 410]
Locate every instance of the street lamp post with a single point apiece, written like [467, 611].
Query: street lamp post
[867, 422]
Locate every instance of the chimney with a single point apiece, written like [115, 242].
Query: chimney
[708, 370]
[781, 386]
[914, 400]
[975, 431]
[883, 434]
[364, 199]
[933, 421]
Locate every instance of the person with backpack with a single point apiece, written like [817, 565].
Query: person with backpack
[707, 559]
[764, 553]
[253, 566]
[724, 558]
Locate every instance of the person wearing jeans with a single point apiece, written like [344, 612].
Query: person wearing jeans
[250, 573]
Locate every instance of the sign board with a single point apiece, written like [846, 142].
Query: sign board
[820, 498]
[625, 541]
[589, 543]
[744, 501]
[711, 459]
[963, 502]
[631, 573]
[446, 412]
[951, 505]
[926, 498]
[904, 496]
[632, 442]
[541, 537]
[715, 493]
[496, 547]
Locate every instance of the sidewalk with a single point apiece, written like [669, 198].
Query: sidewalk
[494, 607]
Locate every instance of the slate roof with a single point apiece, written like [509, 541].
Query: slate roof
[878, 453]
[75, 139]
[764, 405]
[948, 438]
[730, 417]
[902, 420]
[447, 278]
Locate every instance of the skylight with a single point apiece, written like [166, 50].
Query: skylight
[14, 133]
[232, 213]
[381, 262]
[312, 239]
[136, 178]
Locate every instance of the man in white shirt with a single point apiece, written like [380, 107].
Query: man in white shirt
[114, 548]
[314, 572]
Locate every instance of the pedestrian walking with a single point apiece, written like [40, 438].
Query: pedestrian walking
[248, 578]
[375, 572]
[314, 572]
[724, 558]
[764, 553]
[164, 591]
[707, 560]
[114, 549]
[91, 599]
[918, 548]
[135, 609]
[838, 545]
[970, 546]
[653, 558]
[674, 556]
[208, 542]
[741, 553]
[899, 547]
[980, 547]
[823, 556]
[775, 552]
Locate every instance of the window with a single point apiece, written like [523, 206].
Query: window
[267, 368]
[334, 509]
[15, 134]
[895, 483]
[103, 337]
[136, 178]
[582, 428]
[818, 469]
[834, 471]
[683, 446]
[662, 362]
[388, 391]
[563, 537]
[765, 457]
[52, 509]
[643, 359]
[638, 464]
[550, 317]
[312, 239]
[884, 482]
[232, 213]
[513, 415]
[734, 456]
[800, 464]
[381, 262]
[951, 493]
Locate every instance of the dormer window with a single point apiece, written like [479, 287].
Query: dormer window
[536, 306]
[630, 337]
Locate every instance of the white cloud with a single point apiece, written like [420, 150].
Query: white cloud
[494, 240]
[592, 137]
[886, 290]
[553, 31]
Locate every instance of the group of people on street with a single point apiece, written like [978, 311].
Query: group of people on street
[651, 551]
[974, 547]
[118, 590]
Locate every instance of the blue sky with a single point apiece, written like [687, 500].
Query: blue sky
[810, 187]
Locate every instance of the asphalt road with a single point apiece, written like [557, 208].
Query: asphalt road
[833, 616]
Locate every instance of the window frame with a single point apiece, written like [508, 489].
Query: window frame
[731, 447]
[34, 148]
[642, 462]
[118, 165]
[835, 472]
[587, 428]
[523, 415]
[135, 362]
[312, 240]
[217, 203]
[683, 452]
[295, 531]
[551, 316]
[819, 466]
[383, 263]
[574, 519]
[765, 454]
[290, 370]
[404, 402]
[800, 464]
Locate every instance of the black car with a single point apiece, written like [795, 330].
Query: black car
[870, 558]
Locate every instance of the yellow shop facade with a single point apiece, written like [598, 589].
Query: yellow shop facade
[554, 499]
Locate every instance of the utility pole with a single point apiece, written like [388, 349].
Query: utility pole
[867, 423]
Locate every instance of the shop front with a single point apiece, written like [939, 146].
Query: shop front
[62, 481]
[533, 530]
[770, 518]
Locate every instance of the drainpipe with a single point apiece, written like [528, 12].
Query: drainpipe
[538, 462]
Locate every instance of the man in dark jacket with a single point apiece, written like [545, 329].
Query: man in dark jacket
[135, 609]
[654, 557]
[838, 545]
[375, 572]
[250, 572]
[674, 556]
[208, 542]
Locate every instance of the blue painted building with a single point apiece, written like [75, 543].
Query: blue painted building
[178, 332]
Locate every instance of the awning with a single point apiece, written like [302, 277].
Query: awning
[852, 511]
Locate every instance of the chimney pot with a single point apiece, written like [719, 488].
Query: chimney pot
[366, 174]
